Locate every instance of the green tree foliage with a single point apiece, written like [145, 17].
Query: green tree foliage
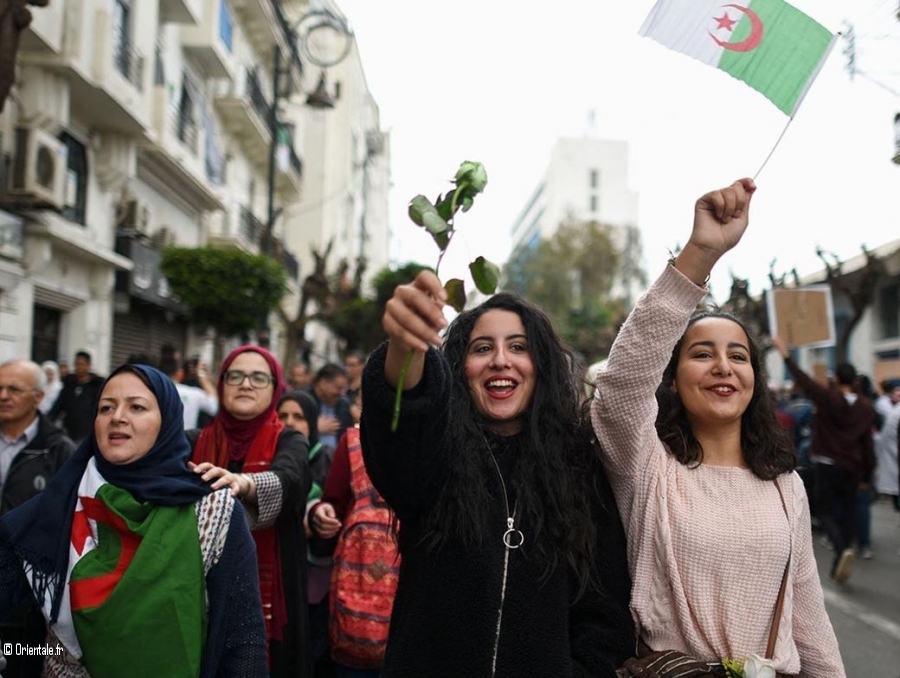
[226, 288]
[357, 321]
[578, 277]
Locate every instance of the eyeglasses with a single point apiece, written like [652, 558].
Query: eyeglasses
[14, 391]
[257, 379]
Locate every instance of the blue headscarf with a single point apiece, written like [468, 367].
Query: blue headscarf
[39, 530]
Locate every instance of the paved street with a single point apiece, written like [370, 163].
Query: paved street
[866, 610]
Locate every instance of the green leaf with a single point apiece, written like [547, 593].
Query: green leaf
[466, 203]
[456, 293]
[418, 206]
[473, 174]
[441, 240]
[445, 206]
[485, 274]
[433, 222]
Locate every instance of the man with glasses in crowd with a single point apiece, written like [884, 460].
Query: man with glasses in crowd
[32, 449]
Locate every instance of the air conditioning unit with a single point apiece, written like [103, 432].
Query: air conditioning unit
[163, 237]
[133, 217]
[39, 170]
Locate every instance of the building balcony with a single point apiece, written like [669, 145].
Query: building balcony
[237, 227]
[289, 181]
[45, 32]
[108, 80]
[175, 153]
[250, 228]
[210, 43]
[291, 265]
[287, 259]
[185, 12]
[260, 21]
[244, 111]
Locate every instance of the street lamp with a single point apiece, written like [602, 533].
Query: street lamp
[324, 40]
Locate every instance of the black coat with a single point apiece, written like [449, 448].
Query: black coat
[445, 614]
[32, 468]
[75, 405]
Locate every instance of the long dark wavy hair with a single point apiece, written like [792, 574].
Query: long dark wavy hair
[767, 447]
[556, 479]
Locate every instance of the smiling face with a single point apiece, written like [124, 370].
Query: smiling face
[291, 415]
[128, 419]
[714, 378]
[244, 402]
[499, 370]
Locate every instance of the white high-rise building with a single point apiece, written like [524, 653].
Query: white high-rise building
[585, 180]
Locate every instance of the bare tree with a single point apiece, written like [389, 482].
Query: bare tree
[321, 295]
[859, 287]
[751, 311]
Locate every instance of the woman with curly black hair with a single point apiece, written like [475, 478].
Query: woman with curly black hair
[718, 524]
[513, 560]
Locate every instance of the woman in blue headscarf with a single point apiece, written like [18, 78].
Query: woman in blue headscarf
[140, 570]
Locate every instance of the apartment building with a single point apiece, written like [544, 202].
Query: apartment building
[138, 124]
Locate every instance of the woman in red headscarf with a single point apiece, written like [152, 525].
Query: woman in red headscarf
[247, 448]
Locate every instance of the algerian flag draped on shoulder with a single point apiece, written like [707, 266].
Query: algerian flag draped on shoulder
[770, 45]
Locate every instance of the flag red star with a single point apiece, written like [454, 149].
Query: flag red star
[725, 22]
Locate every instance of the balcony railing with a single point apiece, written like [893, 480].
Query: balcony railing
[249, 227]
[257, 98]
[129, 62]
[291, 265]
[186, 130]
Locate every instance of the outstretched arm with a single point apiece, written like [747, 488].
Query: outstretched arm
[624, 409]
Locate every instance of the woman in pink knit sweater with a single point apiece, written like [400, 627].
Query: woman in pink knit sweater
[702, 475]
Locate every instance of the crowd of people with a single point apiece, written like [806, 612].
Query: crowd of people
[482, 517]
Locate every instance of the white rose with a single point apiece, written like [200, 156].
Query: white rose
[757, 667]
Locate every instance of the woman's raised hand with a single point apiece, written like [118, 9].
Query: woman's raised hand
[720, 219]
[414, 316]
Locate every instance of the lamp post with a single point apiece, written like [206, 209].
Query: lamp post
[324, 40]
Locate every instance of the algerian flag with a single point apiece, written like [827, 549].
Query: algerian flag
[770, 45]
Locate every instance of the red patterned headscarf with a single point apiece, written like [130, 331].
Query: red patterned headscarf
[253, 443]
[234, 436]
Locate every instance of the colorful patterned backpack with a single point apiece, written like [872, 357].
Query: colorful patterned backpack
[365, 572]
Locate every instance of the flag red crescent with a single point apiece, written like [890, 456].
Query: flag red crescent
[752, 41]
